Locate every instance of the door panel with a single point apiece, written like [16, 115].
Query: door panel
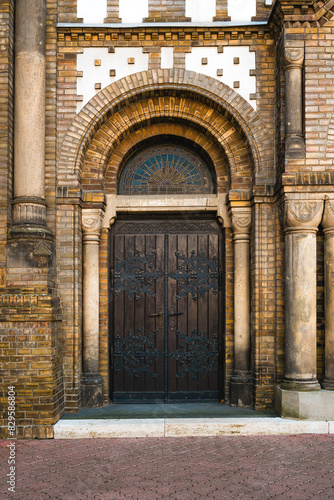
[167, 310]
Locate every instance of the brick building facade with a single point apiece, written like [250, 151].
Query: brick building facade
[166, 205]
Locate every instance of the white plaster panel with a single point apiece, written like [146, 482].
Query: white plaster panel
[93, 74]
[225, 61]
[201, 10]
[133, 11]
[241, 11]
[92, 12]
[167, 57]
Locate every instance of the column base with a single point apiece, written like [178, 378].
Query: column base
[300, 385]
[29, 232]
[328, 385]
[241, 389]
[302, 405]
[92, 390]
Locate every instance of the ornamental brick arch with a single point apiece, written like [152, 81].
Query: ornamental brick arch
[119, 98]
[167, 130]
[102, 169]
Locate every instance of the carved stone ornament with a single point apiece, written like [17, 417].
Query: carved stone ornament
[293, 58]
[328, 218]
[304, 215]
[241, 221]
[91, 223]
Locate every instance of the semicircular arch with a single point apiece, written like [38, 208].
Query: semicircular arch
[204, 89]
[149, 134]
[193, 117]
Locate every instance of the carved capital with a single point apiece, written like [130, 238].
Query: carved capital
[303, 215]
[328, 217]
[241, 218]
[293, 58]
[91, 224]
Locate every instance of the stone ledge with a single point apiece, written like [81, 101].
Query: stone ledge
[313, 405]
[75, 429]
[124, 428]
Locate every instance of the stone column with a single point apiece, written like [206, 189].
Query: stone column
[29, 207]
[301, 220]
[92, 394]
[293, 68]
[328, 227]
[241, 378]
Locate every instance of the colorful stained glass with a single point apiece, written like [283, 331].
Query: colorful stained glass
[166, 169]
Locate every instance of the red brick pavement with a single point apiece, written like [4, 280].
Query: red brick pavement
[261, 468]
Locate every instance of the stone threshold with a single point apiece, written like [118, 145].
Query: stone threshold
[186, 427]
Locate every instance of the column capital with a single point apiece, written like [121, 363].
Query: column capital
[241, 219]
[293, 58]
[328, 217]
[91, 224]
[302, 215]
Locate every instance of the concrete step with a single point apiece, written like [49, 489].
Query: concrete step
[181, 427]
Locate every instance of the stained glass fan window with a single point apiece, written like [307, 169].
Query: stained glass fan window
[166, 169]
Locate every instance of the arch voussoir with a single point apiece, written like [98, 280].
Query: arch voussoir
[199, 91]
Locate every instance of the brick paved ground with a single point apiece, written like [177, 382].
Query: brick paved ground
[278, 467]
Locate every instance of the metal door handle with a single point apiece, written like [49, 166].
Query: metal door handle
[172, 313]
[156, 314]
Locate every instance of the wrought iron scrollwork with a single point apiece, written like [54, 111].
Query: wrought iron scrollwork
[136, 274]
[197, 354]
[135, 354]
[195, 275]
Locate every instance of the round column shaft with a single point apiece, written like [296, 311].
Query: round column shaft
[29, 121]
[92, 384]
[301, 225]
[328, 226]
[241, 379]
[241, 304]
[293, 66]
[91, 237]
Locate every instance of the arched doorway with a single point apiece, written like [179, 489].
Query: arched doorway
[166, 285]
[205, 115]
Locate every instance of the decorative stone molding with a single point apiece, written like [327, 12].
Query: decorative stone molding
[241, 222]
[241, 219]
[29, 211]
[91, 225]
[293, 58]
[328, 217]
[304, 216]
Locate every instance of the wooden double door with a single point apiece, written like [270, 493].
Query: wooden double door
[167, 309]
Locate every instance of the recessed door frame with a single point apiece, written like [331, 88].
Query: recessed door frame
[221, 305]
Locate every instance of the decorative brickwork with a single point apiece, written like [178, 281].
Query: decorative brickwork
[110, 91]
[247, 121]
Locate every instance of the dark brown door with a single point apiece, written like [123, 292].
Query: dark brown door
[166, 309]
